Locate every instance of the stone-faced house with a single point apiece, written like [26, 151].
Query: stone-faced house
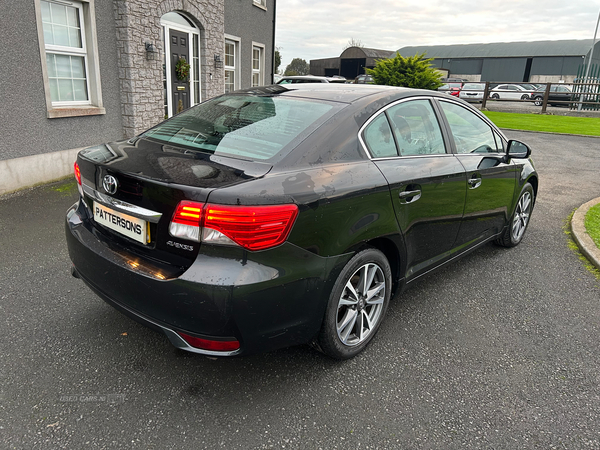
[80, 72]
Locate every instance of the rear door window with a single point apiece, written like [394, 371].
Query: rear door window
[416, 128]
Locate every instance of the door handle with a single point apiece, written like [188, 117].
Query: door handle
[410, 196]
[474, 182]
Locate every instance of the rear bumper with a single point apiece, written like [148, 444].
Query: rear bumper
[265, 300]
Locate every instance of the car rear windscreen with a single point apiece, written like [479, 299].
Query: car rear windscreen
[245, 126]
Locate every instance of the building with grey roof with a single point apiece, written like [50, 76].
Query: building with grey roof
[351, 63]
[536, 62]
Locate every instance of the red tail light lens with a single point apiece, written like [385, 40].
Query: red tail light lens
[185, 223]
[188, 213]
[252, 227]
[205, 344]
[77, 173]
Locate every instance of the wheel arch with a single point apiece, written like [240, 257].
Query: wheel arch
[392, 252]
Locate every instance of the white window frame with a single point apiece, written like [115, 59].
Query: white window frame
[87, 20]
[262, 4]
[167, 26]
[237, 45]
[261, 62]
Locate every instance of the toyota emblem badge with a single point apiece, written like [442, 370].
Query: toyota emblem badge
[109, 183]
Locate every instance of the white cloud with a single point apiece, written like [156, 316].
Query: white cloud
[312, 29]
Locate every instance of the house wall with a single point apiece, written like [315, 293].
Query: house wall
[250, 23]
[140, 78]
[25, 129]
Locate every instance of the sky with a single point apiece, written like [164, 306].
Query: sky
[312, 29]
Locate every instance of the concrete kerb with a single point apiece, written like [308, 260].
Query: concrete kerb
[580, 235]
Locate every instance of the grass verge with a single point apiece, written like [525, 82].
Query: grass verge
[592, 224]
[589, 126]
[573, 246]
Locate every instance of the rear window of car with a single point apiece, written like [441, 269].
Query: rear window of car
[474, 86]
[251, 127]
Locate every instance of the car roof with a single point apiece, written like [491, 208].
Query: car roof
[345, 93]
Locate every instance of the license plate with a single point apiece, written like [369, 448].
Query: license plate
[127, 225]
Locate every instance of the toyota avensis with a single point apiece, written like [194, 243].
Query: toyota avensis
[286, 215]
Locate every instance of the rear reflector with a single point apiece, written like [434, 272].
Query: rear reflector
[205, 344]
[251, 227]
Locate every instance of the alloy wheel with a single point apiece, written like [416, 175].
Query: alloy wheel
[521, 216]
[360, 305]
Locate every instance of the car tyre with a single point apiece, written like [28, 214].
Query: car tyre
[524, 97]
[495, 96]
[520, 219]
[538, 101]
[357, 305]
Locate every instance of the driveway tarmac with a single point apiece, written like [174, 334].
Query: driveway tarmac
[500, 350]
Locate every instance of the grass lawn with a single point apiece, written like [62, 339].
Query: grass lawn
[592, 224]
[589, 126]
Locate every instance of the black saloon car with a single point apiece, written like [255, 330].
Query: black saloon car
[286, 215]
[557, 93]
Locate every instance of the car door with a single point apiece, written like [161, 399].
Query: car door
[427, 182]
[501, 91]
[491, 179]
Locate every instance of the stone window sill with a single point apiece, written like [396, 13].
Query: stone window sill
[258, 5]
[75, 111]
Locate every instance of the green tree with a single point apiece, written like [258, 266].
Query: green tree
[413, 72]
[298, 66]
[277, 61]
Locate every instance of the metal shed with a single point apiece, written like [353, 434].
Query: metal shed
[351, 63]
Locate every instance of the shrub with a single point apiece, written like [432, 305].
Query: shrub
[413, 72]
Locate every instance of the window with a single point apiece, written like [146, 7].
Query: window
[245, 126]
[471, 134]
[416, 128]
[379, 140]
[257, 65]
[69, 57]
[231, 65]
[261, 3]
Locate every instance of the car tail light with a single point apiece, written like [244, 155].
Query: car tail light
[206, 344]
[251, 227]
[77, 172]
[78, 177]
[186, 221]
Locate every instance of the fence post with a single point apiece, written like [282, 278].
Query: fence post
[546, 95]
[485, 94]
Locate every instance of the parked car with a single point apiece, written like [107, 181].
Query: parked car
[472, 92]
[364, 79]
[510, 92]
[451, 88]
[557, 93]
[276, 216]
[310, 79]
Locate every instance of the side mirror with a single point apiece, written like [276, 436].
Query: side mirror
[517, 149]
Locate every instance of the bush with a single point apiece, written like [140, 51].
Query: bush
[413, 72]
